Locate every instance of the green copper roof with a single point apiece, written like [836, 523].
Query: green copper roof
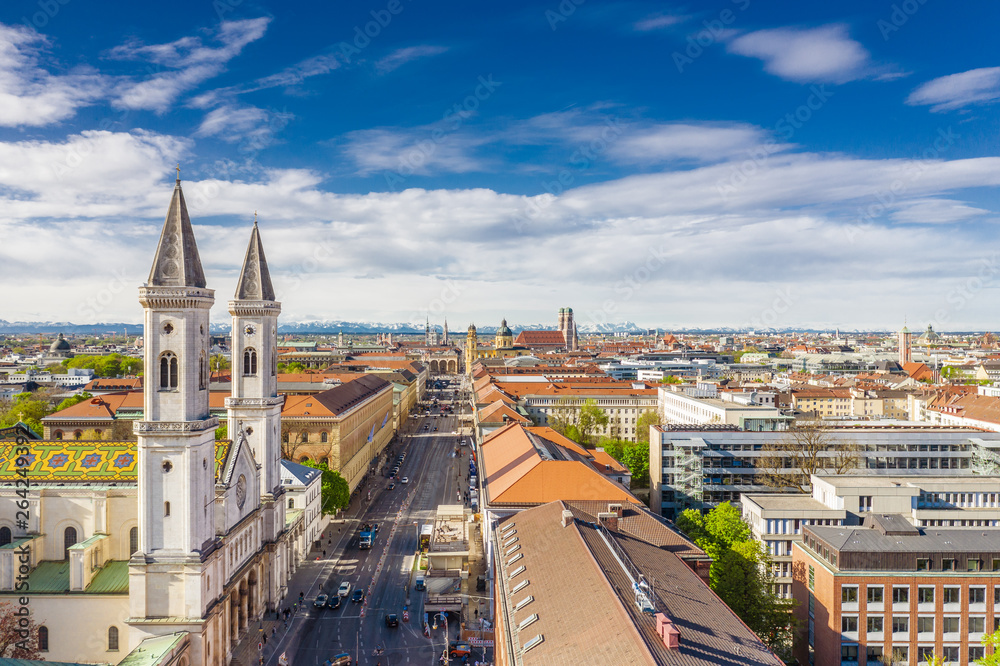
[53, 578]
[113, 579]
[152, 650]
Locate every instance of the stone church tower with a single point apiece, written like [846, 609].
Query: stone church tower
[255, 406]
[176, 447]
[471, 347]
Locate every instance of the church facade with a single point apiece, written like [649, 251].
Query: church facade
[175, 543]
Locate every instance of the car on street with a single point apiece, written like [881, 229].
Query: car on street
[320, 601]
[405, 480]
[391, 620]
[344, 589]
[342, 659]
[358, 596]
[333, 601]
[392, 484]
[458, 649]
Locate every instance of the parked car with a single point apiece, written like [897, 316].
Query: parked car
[359, 596]
[344, 589]
[391, 620]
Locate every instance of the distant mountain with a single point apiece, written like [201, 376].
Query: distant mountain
[313, 327]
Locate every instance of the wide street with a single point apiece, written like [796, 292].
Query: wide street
[384, 572]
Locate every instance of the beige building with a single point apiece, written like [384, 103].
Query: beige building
[346, 426]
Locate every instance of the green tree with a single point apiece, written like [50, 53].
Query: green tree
[291, 368]
[335, 492]
[646, 420]
[222, 432]
[590, 419]
[739, 355]
[741, 573]
[218, 362]
[634, 455]
[28, 409]
[671, 379]
[74, 400]
[992, 643]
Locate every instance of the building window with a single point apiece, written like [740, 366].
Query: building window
[951, 625]
[900, 595]
[168, 371]
[133, 540]
[812, 577]
[952, 595]
[323, 437]
[874, 653]
[112, 639]
[250, 362]
[865, 503]
[976, 652]
[875, 594]
[291, 504]
[201, 372]
[950, 654]
[923, 564]
[972, 565]
[5, 536]
[900, 624]
[304, 437]
[925, 595]
[57, 434]
[166, 509]
[849, 595]
[947, 564]
[848, 653]
[43, 639]
[69, 539]
[977, 624]
[848, 623]
[874, 624]
[977, 595]
[925, 624]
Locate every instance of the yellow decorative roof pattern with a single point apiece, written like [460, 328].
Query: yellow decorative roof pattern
[79, 461]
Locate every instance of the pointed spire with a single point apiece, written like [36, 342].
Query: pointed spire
[255, 280]
[177, 263]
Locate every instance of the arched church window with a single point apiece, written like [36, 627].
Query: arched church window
[69, 539]
[43, 639]
[57, 434]
[112, 639]
[77, 434]
[133, 540]
[304, 437]
[323, 437]
[5, 536]
[168, 370]
[250, 362]
[201, 372]
[291, 505]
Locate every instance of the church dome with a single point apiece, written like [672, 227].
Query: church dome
[503, 330]
[472, 328]
[60, 344]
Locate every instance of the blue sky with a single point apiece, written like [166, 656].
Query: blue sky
[730, 163]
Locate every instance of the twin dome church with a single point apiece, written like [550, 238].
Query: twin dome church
[175, 543]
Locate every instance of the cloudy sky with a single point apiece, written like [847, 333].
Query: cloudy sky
[731, 163]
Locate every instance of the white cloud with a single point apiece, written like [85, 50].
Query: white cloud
[420, 150]
[699, 142]
[400, 57]
[824, 54]
[29, 94]
[658, 22]
[955, 91]
[693, 257]
[189, 63]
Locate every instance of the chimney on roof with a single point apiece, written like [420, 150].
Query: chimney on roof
[609, 520]
[668, 632]
[616, 509]
[567, 518]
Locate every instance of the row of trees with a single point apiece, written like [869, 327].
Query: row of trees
[110, 365]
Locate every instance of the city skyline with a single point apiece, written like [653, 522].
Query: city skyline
[732, 165]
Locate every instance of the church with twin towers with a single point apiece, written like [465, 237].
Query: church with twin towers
[167, 548]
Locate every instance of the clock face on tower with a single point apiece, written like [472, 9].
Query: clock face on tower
[241, 491]
[249, 329]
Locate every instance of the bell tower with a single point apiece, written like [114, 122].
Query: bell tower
[255, 405]
[176, 437]
[471, 347]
